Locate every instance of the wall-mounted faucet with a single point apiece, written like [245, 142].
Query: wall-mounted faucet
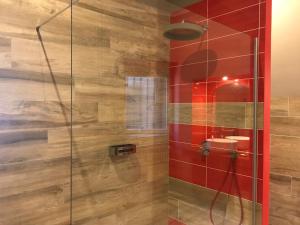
[206, 147]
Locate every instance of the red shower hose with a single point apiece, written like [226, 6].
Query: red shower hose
[232, 166]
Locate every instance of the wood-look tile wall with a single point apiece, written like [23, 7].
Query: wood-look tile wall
[219, 114]
[191, 204]
[35, 164]
[111, 41]
[285, 161]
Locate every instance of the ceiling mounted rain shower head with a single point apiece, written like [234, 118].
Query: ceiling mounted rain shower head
[184, 31]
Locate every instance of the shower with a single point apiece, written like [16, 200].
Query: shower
[139, 112]
[184, 31]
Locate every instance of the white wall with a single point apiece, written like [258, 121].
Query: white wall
[286, 48]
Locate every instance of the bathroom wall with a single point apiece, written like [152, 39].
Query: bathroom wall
[34, 160]
[120, 77]
[211, 95]
[285, 111]
[112, 41]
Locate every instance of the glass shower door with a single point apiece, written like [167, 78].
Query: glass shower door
[163, 129]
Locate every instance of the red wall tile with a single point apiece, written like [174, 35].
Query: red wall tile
[180, 93]
[199, 8]
[199, 92]
[175, 222]
[196, 71]
[188, 172]
[231, 46]
[188, 73]
[215, 179]
[261, 65]
[198, 134]
[189, 54]
[219, 7]
[235, 68]
[180, 133]
[221, 159]
[262, 38]
[187, 153]
[263, 14]
[230, 91]
[187, 16]
[237, 21]
[235, 90]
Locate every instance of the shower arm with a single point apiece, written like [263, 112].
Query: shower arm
[56, 14]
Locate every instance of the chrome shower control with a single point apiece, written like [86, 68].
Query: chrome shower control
[206, 146]
[234, 155]
[122, 150]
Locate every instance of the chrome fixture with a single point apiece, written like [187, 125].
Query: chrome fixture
[184, 31]
[206, 146]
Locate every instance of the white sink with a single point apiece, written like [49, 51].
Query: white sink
[222, 140]
[238, 138]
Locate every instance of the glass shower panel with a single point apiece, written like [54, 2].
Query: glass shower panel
[35, 68]
[163, 112]
[212, 86]
[120, 135]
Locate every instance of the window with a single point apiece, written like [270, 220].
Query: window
[146, 107]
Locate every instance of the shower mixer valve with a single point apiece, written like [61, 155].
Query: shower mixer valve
[206, 146]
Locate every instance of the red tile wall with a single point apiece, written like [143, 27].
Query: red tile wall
[196, 71]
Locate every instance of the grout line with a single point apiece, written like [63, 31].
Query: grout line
[206, 108]
[212, 168]
[233, 11]
[197, 185]
[285, 116]
[195, 145]
[195, 124]
[206, 99]
[236, 10]
[249, 6]
[213, 81]
[184, 181]
[214, 60]
[237, 33]
[218, 149]
[282, 135]
[216, 38]
[282, 175]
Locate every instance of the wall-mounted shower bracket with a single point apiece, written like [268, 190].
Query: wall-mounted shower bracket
[206, 146]
[56, 14]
